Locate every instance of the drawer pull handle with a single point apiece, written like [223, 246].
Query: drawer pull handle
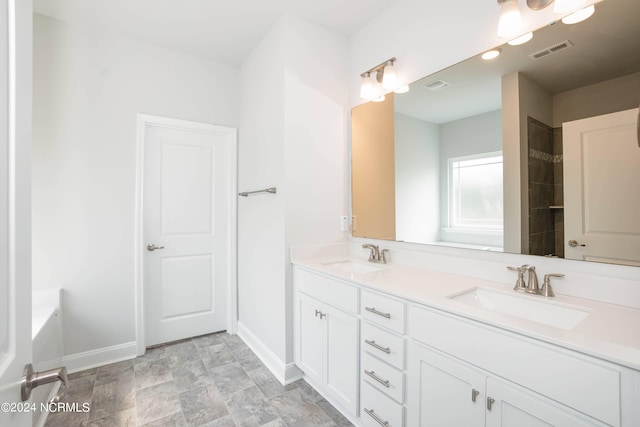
[373, 375]
[376, 417]
[474, 394]
[372, 343]
[490, 402]
[379, 313]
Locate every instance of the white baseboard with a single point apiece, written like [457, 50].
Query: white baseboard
[99, 357]
[286, 373]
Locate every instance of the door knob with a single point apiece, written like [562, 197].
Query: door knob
[31, 380]
[574, 243]
[151, 247]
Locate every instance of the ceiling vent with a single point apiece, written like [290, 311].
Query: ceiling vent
[551, 49]
[436, 85]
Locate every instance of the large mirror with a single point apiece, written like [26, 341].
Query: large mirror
[534, 152]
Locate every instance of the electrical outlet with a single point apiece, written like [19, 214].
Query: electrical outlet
[344, 223]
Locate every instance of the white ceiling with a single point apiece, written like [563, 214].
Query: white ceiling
[221, 30]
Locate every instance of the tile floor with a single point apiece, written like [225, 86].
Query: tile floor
[213, 380]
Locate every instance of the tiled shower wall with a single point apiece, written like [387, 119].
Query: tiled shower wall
[558, 192]
[546, 217]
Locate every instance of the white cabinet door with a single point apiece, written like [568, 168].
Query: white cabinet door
[309, 336]
[443, 391]
[327, 348]
[513, 406]
[341, 352]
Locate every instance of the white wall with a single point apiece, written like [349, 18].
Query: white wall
[417, 144]
[261, 218]
[88, 88]
[427, 36]
[316, 135]
[293, 135]
[594, 100]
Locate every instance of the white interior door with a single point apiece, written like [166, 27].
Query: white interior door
[601, 196]
[15, 207]
[187, 196]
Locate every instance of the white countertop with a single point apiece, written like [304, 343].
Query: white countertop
[610, 332]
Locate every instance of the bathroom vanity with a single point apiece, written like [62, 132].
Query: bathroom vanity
[399, 345]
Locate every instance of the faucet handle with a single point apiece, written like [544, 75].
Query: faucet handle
[383, 256]
[520, 286]
[546, 290]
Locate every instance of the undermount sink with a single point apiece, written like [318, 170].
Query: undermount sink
[524, 306]
[354, 267]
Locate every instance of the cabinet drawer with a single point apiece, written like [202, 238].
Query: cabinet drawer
[334, 292]
[384, 311]
[378, 408]
[383, 344]
[382, 376]
[583, 383]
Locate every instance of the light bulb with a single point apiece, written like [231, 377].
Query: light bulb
[378, 98]
[367, 90]
[491, 54]
[579, 16]
[389, 78]
[402, 89]
[510, 23]
[564, 6]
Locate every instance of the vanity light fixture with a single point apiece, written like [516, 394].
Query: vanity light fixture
[510, 23]
[491, 54]
[366, 88]
[579, 16]
[386, 80]
[538, 4]
[521, 39]
[389, 78]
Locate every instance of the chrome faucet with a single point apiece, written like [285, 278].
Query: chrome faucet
[532, 282]
[376, 255]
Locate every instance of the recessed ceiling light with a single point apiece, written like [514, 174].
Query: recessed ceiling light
[491, 54]
[579, 16]
[521, 40]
